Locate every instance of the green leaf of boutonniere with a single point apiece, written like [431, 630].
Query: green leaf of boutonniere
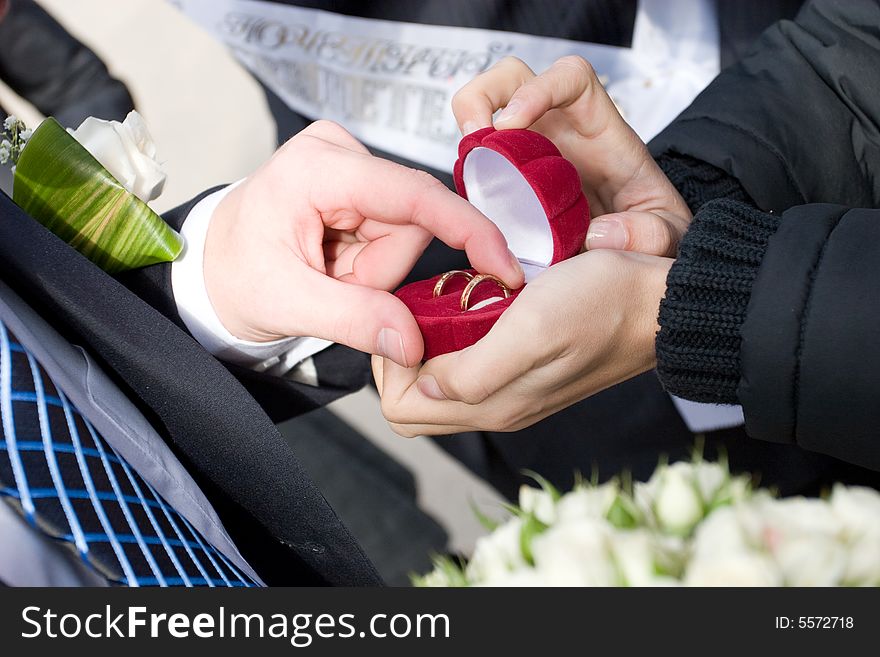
[62, 186]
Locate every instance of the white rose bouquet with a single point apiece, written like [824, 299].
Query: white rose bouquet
[691, 524]
[91, 186]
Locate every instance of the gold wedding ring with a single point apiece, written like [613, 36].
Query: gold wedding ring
[441, 282]
[475, 281]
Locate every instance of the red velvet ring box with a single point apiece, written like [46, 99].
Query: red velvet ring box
[519, 180]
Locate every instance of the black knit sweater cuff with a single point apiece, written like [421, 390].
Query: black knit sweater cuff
[708, 290]
[699, 182]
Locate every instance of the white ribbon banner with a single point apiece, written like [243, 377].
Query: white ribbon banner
[391, 83]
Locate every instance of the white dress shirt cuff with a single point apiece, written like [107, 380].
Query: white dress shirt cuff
[283, 357]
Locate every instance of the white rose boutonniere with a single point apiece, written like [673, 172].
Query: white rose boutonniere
[127, 151]
[91, 186]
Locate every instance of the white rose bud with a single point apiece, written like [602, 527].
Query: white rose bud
[812, 561]
[518, 579]
[437, 578]
[636, 553]
[720, 532]
[751, 516]
[587, 502]
[497, 554]
[733, 569]
[677, 503]
[575, 554]
[723, 554]
[863, 562]
[710, 478]
[738, 489]
[538, 502]
[793, 518]
[857, 508]
[127, 151]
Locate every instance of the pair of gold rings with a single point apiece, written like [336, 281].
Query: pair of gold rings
[473, 282]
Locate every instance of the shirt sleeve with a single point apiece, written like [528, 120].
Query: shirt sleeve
[285, 357]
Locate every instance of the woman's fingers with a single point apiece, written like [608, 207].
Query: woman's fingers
[568, 81]
[477, 386]
[410, 413]
[650, 233]
[476, 102]
[474, 374]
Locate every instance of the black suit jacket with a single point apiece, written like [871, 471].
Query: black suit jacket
[49, 67]
[208, 414]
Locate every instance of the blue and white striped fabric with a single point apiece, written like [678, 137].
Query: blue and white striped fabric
[67, 482]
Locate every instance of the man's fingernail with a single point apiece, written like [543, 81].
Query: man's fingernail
[508, 112]
[429, 387]
[606, 235]
[469, 126]
[390, 345]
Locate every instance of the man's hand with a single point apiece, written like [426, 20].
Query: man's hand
[310, 244]
[580, 327]
[634, 206]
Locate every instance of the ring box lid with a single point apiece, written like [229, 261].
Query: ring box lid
[520, 181]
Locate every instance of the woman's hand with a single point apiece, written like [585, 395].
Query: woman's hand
[634, 206]
[580, 327]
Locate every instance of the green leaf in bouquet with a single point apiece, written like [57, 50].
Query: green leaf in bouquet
[545, 484]
[513, 509]
[61, 185]
[487, 523]
[447, 572]
[531, 527]
[623, 513]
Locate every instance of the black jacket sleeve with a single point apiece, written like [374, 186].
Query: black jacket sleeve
[341, 370]
[798, 119]
[779, 311]
[42, 62]
[780, 314]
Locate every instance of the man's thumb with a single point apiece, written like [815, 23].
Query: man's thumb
[369, 320]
